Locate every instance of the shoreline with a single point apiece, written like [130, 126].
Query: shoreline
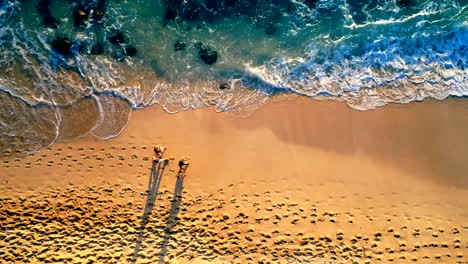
[302, 170]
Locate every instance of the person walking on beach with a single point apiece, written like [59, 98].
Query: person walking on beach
[158, 153]
[183, 164]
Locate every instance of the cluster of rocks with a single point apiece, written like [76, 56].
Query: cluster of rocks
[265, 13]
[92, 13]
[206, 53]
[118, 39]
[85, 14]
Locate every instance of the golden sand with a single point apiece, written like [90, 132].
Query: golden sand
[298, 181]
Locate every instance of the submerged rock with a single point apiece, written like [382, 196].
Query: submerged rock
[50, 21]
[80, 16]
[311, 3]
[94, 11]
[43, 7]
[179, 45]
[405, 3]
[169, 16]
[207, 54]
[98, 14]
[260, 12]
[62, 46]
[186, 11]
[98, 10]
[97, 49]
[271, 29]
[130, 51]
[47, 19]
[117, 39]
[157, 69]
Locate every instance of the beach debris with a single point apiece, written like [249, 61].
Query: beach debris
[224, 86]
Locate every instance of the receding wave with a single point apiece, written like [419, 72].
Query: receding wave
[78, 67]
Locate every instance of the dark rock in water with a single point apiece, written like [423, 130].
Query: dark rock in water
[98, 14]
[97, 49]
[405, 3]
[47, 19]
[62, 46]
[98, 10]
[178, 10]
[311, 3]
[169, 16]
[43, 7]
[179, 45]
[92, 11]
[117, 38]
[224, 86]
[206, 54]
[80, 16]
[50, 21]
[130, 51]
[261, 12]
[100, 4]
[271, 29]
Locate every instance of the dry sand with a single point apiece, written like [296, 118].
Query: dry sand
[299, 181]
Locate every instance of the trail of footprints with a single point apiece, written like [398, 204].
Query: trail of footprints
[63, 157]
[85, 225]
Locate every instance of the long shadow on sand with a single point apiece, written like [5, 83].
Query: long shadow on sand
[153, 187]
[172, 220]
[426, 140]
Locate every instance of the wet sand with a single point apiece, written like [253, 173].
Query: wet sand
[298, 181]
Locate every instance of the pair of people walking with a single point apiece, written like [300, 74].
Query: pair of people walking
[158, 157]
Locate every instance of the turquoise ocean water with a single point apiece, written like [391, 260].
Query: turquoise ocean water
[68, 68]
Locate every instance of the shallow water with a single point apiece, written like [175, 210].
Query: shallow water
[367, 53]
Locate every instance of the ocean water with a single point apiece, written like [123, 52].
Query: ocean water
[70, 68]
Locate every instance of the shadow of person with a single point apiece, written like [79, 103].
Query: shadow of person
[172, 220]
[153, 189]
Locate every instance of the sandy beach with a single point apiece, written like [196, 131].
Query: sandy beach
[297, 181]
